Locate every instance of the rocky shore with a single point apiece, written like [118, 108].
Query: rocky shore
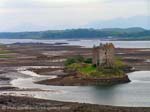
[74, 80]
[24, 104]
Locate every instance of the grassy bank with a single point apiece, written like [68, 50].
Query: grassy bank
[85, 68]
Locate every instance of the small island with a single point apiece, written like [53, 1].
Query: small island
[102, 69]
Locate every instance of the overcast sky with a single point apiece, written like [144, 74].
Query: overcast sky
[32, 15]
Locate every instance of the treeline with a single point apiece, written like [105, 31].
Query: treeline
[130, 33]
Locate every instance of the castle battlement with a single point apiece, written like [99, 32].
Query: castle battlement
[103, 55]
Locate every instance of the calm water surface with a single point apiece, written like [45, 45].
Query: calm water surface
[85, 43]
[135, 93]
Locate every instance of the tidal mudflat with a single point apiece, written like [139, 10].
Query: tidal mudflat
[24, 64]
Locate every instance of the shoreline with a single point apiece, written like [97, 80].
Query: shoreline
[23, 104]
[27, 55]
[73, 80]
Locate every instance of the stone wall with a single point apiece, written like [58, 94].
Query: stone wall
[103, 55]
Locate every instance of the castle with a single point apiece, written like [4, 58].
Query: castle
[103, 55]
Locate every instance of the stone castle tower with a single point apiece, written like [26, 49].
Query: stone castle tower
[103, 55]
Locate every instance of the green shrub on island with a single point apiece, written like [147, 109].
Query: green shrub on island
[111, 71]
[75, 59]
[87, 69]
[78, 59]
[88, 60]
[119, 63]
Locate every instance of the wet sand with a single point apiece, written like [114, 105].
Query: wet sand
[46, 55]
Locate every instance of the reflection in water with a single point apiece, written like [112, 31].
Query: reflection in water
[135, 93]
[107, 93]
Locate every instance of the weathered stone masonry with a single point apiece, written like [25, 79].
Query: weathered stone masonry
[103, 55]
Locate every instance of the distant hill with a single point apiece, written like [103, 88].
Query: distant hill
[107, 33]
[127, 30]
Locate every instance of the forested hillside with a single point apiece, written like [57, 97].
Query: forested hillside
[108, 33]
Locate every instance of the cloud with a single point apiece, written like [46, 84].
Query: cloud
[44, 3]
[60, 14]
[65, 3]
[136, 21]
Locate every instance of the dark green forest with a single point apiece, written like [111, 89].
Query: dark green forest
[108, 33]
